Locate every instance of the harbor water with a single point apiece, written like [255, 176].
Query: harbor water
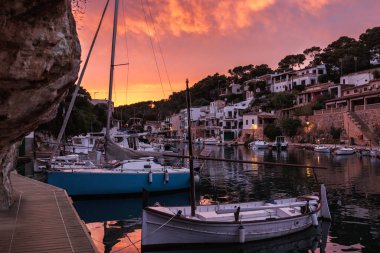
[353, 192]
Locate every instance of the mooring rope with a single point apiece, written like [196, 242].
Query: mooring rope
[133, 243]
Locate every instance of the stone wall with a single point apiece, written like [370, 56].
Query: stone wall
[371, 117]
[324, 122]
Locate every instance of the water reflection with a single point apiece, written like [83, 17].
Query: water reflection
[352, 183]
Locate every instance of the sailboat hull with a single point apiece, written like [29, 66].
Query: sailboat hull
[84, 183]
[179, 231]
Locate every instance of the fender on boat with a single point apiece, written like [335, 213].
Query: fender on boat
[325, 211]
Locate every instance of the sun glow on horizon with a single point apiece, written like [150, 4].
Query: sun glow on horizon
[200, 38]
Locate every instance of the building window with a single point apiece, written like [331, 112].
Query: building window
[253, 121]
[320, 71]
[303, 82]
[246, 122]
[312, 81]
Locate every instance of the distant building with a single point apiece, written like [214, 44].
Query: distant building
[232, 88]
[102, 101]
[254, 124]
[152, 126]
[359, 78]
[232, 121]
[358, 97]
[288, 80]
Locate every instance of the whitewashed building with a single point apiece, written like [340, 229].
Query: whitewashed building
[232, 121]
[359, 78]
[288, 80]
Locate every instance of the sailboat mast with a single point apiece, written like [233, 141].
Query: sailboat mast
[192, 183]
[109, 110]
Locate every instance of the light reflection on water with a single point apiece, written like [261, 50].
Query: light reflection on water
[352, 184]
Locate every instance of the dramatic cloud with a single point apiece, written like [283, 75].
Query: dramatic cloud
[201, 37]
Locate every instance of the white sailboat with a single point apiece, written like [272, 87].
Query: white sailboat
[133, 174]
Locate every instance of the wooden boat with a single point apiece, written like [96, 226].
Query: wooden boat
[232, 223]
[308, 240]
[374, 153]
[210, 141]
[345, 151]
[365, 152]
[259, 144]
[280, 143]
[198, 141]
[322, 149]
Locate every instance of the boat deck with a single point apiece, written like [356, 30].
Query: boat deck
[42, 219]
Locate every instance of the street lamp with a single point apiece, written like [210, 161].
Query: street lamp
[254, 127]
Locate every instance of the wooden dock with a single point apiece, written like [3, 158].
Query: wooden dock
[42, 219]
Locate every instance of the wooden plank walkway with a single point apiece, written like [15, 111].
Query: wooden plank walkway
[42, 219]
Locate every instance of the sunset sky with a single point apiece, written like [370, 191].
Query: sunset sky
[202, 37]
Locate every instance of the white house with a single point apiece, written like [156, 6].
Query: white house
[288, 80]
[359, 78]
[232, 121]
[308, 76]
[254, 124]
[213, 125]
[282, 82]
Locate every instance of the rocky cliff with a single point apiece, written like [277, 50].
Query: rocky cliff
[40, 58]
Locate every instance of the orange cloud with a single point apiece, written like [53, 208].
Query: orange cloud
[202, 37]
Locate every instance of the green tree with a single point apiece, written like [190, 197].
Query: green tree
[260, 70]
[290, 126]
[336, 132]
[370, 40]
[271, 131]
[313, 53]
[344, 55]
[281, 100]
[291, 61]
[84, 117]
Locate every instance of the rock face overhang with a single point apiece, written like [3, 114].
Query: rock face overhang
[39, 60]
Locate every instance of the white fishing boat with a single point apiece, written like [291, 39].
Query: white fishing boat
[198, 141]
[345, 151]
[322, 149]
[232, 223]
[259, 144]
[365, 152]
[210, 141]
[374, 153]
[280, 143]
